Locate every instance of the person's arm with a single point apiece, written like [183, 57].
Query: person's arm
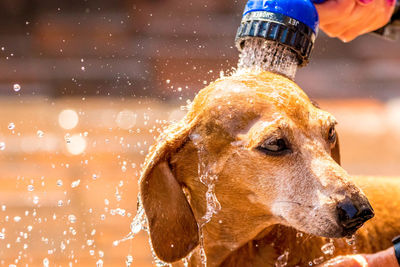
[347, 19]
[385, 258]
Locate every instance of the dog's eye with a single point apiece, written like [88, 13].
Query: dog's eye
[332, 135]
[274, 147]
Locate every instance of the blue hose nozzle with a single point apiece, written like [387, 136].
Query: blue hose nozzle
[292, 23]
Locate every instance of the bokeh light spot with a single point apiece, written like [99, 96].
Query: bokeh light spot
[77, 145]
[68, 119]
[126, 119]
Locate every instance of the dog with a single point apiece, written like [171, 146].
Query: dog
[252, 177]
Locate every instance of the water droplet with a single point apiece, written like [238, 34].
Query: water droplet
[35, 200]
[99, 263]
[2, 145]
[328, 248]
[101, 254]
[72, 218]
[30, 188]
[72, 231]
[11, 126]
[94, 176]
[120, 211]
[60, 203]
[16, 87]
[136, 227]
[75, 183]
[17, 218]
[45, 262]
[40, 133]
[282, 259]
[89, 242]
[299, 234]
[318, 260]
[351, 241]
[2, 235]
[29, 228]
[59, 182]
[129, 260]
[67, 138]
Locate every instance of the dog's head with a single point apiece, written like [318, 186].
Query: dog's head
[274, 156]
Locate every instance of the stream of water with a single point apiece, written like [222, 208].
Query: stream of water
[260, 54]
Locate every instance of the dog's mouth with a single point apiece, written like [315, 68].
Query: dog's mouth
[348, 232]
[351, 228]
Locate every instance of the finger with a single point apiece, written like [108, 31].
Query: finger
[357, 30]
[335, 29]
[338, 28]
[376, 15]
[334, 10]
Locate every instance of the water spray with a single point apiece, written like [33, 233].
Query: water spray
[277, 35]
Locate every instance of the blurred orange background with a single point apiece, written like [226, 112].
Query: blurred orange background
[87, 85]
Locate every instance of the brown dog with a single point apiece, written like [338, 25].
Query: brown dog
[253, 166]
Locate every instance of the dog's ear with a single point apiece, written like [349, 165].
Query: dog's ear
[172, 225]
[335, 152]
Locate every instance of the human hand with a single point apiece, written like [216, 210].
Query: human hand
[348, 19]
[385, 258]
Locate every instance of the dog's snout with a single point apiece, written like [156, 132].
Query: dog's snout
[353, 213]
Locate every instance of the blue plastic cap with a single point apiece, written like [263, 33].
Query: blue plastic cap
[301, 10]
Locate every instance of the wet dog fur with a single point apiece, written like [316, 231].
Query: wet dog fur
[270, 204]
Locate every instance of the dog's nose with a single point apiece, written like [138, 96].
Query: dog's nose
[353, 213]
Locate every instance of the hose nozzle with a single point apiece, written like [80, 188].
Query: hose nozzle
[290, 23]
